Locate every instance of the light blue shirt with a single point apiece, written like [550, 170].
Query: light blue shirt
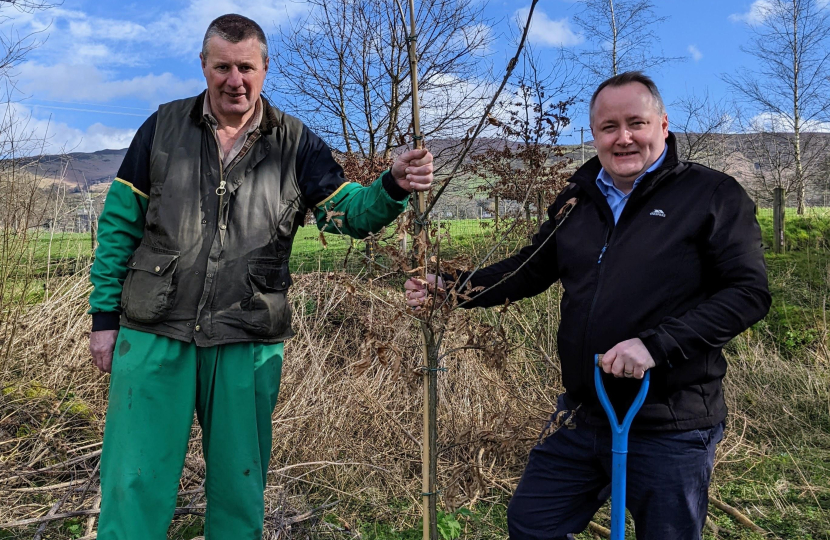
[616, 198]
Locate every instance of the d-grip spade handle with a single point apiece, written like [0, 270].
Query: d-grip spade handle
[619, 446]
[620, 429]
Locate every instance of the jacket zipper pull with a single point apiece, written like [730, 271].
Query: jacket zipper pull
[601, 253]
[221, 192]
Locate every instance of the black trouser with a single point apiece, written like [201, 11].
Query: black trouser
[567, 479]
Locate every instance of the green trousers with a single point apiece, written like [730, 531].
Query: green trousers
[156, 384]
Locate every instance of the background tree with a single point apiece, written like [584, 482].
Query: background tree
[624, 35]
[345, 69]
[528, 167]
[790, 85]
[13, 46]
[703, 126]
[24, 204]
[767, 146]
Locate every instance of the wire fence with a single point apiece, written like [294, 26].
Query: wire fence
[475, 238]
[470, 238]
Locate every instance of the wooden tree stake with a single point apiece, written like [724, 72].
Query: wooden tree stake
[416, 110]
[429, 446]
[429, 469]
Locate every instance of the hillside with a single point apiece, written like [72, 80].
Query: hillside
[83, 170]
[755, 160]
[99, 168]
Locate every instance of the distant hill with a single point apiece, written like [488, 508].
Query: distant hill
[88, 170]
[83, 170]
[735, 153]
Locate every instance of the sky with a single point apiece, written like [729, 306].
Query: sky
[102, 67]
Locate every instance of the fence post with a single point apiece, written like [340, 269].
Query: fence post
[778, 210]
[496, 200]
[93, 235]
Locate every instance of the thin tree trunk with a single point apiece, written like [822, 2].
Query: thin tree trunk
[429, 446]
[614, 39]
[393, 117]
[799, 171]
[342, 102]
[341, 93]
[367, 105]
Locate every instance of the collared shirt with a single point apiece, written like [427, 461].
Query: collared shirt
[616, 198]
[253, 124]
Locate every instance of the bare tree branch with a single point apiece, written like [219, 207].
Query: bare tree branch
[624, 37]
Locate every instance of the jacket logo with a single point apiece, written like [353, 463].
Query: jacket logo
[657, 212]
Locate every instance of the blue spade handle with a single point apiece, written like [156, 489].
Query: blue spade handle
[619, 447]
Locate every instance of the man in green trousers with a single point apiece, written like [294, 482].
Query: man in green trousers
[190, 278]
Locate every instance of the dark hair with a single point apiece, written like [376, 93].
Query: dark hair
[235, 28]
[627, 78]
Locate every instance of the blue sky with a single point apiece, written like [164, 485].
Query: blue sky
[106, 65]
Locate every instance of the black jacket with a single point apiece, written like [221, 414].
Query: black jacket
[683, 270]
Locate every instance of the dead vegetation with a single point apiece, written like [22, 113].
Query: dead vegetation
[347, 429]
[347, 426]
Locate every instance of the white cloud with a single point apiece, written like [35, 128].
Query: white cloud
[96, 137]
[695, 52]
[784, 123]
[67, 82]
[758, 12]
[180, 33]
[80, 29]
[86, 60]
[49, 137]
[107, 29]
[546, 31]
[170, 34]
[92, 53]
[450, 96]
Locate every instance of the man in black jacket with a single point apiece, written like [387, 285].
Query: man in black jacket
[661, 264]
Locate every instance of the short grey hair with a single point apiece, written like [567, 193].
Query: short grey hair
[627, 78]
[235, 28]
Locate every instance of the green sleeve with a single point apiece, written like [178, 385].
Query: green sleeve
[358, 211]
[120, 228]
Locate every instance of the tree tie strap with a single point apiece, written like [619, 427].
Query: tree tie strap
[435, 369]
